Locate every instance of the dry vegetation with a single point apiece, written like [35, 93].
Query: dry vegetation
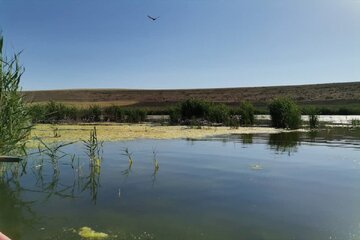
[321, 94]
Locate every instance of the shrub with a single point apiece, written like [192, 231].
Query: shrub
[175, 115]
[247, 113]
[15, 119]
[92, 114]
[233, 122]
[193, 108]
[313, 117]
[285, 113]
[37, 112]
[217, 113]
[136, 115]
[114, 114]
[55, 112]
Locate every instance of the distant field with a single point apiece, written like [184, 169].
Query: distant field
[329, 95]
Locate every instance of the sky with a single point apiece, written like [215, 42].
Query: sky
[194, 43]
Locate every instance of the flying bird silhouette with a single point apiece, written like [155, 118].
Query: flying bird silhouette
[152, 18]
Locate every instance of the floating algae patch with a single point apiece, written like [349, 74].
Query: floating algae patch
[88, 233]
[116, 132]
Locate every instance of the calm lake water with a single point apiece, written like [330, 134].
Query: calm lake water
[282, 186]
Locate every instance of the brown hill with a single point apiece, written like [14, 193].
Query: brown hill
[333, 93]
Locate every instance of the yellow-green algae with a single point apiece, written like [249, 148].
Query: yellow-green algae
[86, 232]
[116, 132]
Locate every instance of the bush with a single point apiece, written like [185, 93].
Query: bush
[92, 114]
[247, 113]
[15, 119]
[285, 113]
[114, 114]
[193, 108]
[37, 113]
[217, 113]
[135, 115]
[175, 115]
[55, 112]
[313, 117]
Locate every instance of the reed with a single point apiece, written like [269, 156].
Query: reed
[15, 120]
[247, 113]
[155, 161]
[93, 148]
[128, 154]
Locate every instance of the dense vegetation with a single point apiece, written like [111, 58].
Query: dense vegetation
[285, 113]
[188, 112]
[313, 117]
[201, 112]
[53, 112]
[15, 123]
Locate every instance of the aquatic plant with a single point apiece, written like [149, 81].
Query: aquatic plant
[128, 154]
[285, 113]
[93, 150]
[53, 151]
[155, 161]
[55, 131]
[15, 120]
[88, 233]
[313, 119]
[93, 147]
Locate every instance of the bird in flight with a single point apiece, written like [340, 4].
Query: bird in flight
[152, 18]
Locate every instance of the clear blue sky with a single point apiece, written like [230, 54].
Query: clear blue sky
[194, 43]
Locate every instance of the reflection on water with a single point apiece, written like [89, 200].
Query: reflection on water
[247, 138]
[207, 189]
[13, 208]
[284, 142]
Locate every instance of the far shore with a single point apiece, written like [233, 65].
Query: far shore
[117, 132]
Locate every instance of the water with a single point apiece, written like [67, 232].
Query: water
[305, 186]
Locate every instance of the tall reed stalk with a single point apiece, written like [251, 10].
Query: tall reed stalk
[93, 148]
[15, 120]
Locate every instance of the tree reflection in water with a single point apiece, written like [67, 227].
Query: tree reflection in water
[284, 142]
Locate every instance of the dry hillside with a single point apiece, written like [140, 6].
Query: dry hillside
[319, 94]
